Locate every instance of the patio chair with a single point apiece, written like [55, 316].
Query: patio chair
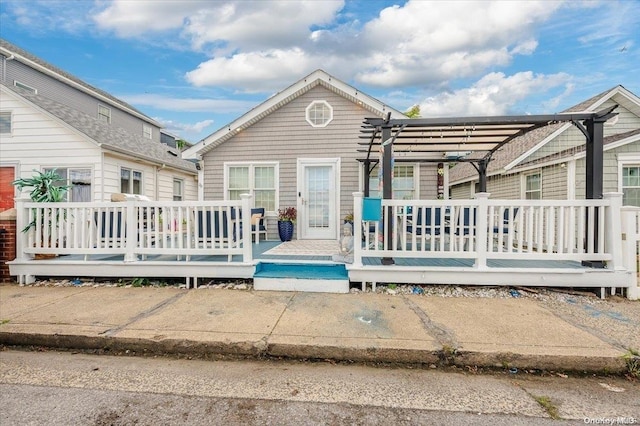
[465, 226]
[430, 227]
[111, 229]
[258, 224]
[213, 227]
[507, 224]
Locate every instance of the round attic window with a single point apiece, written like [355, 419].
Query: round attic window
[319, 113]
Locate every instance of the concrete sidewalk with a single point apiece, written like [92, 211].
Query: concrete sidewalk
[484, 332]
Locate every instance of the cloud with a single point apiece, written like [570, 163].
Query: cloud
[187, 104]
[259, 46]
[189, 129]
[493, 94]
[43, 16]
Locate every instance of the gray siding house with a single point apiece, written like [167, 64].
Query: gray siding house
[549, 163]
[50, 119]
[299, 149]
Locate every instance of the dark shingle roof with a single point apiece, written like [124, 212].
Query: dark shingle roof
[519, 145]
[55, 70]
[109, 137]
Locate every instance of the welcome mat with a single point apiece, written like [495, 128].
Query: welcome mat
[305, 248]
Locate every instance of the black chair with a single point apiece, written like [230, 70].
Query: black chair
[257, 223]
[466, 225]
[111, 228]
[506, 225]
[211, 230]
[428, 223]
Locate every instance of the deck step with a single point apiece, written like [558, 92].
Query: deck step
[322, 278]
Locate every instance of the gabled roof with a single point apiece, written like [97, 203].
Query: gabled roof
[16, 53]
[105, 136]
[520, 148]
[316, 78]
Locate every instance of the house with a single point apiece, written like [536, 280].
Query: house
[50, 119]
[548, 163]
[301, 148]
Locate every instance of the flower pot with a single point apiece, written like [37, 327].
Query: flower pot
[285, 230]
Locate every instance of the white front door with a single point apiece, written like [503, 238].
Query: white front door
[318, 195]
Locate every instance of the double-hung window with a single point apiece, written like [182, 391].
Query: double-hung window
[405, 184]
[78, 180]
[258, 179]
[130, 181]
[533, 186]
[631, 185]
[104, 114]
[147, 131]
[5, 122]
[178, 185]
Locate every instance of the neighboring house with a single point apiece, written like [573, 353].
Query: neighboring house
[549, 163]
[98, 143]
[300, 148]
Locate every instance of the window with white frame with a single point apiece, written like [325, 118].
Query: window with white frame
[631, 185]
[104, 114]
[533, 186]
[319, 113]
[130, 181]
[147, 132]
[258, 179]
[5, 122]
[178, 185]
[405, 182]
[25, 87]
[78, 180]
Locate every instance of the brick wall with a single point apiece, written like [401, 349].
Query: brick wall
[7, 242]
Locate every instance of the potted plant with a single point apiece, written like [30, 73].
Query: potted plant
[286, 218]
[44, 187]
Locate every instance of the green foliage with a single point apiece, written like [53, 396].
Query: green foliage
[632, 359]
[548, 406]
[45, 187]
[140, 282]
[413, 112]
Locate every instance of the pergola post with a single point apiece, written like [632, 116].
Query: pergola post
[482, 173]
[594, 159]
[387, 190]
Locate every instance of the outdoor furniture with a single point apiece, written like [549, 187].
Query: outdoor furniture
[503, 227]
[111, 228]
[427, 224]
[465, 226]
[258, 225]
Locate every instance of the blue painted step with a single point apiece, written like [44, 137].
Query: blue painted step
[301, 271]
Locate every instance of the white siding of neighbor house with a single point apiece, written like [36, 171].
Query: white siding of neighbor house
[38, 141]
[284, 136]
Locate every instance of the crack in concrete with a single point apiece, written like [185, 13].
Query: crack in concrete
[144, 314]
[442, 334]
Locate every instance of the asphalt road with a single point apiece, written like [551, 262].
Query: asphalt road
[55, 388]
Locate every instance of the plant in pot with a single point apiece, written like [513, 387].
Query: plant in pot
[286, 219]
[44, 187]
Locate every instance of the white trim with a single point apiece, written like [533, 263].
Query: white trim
[24, 86]
[311, 105]
[77, 85]
[523, 183]
[571, 179]
[335, 164]
[284, 97]
[539, 145]
[251, 165]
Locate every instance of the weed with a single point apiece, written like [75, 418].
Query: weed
[4, 321]
[632, 358]
[545, 402]
[392, 286]
[139, 282]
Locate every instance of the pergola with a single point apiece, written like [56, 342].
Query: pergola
[478, 138]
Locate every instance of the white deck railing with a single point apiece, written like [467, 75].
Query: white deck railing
[484, 229]
[136, 229]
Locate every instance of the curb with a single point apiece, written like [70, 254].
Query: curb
[262, 349]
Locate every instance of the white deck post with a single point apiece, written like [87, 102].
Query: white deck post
[629, 248]
[613, 234]
[247, 254]
[481, 230]
[357, 229]
[130, 231]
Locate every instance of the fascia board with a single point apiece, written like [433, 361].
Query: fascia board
[539, 145]
[78, 86]
[280, 99]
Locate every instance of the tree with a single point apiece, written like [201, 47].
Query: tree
[413, 112]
